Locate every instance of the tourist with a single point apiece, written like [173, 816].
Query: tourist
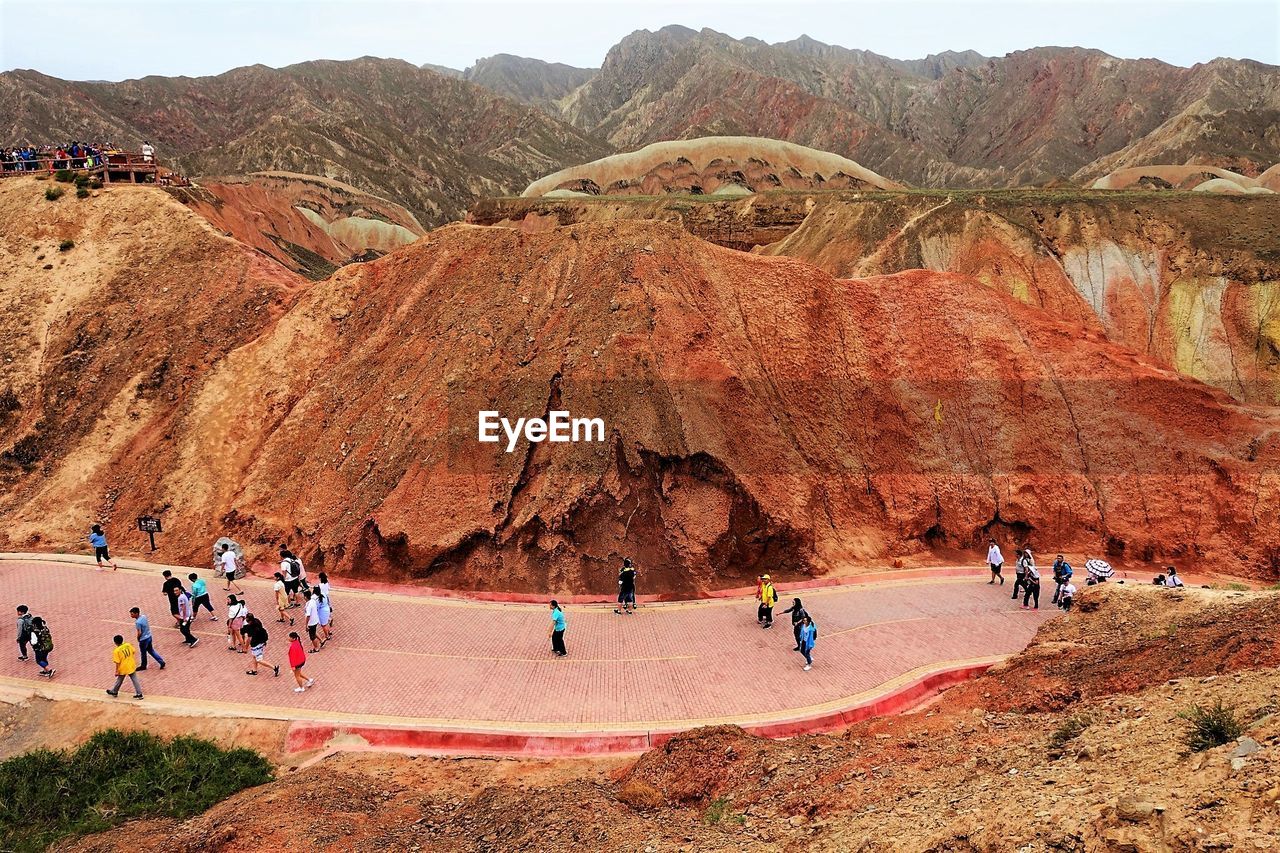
[1031, 583]
[146, 646]
[98, 540]
[200, 596]
[626, 587]
[185, 617]
[1062, 573]
[312, 611]
[171, 588]
[236, 612]
[42, 645]
[297, 660]
[148, 152]
[557, 629]
[995, 560]
[798, 613]
[229, 569]
[256, 635]
[126, 666]
[325, 586]
[1019, 572]
[295, 574]
[768, 598]
[1171, 579]
[24, 630]
[322, 612]
[282, 599]
[808, 637]
[1068, 595]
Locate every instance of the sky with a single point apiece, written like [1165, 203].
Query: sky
[119, 39]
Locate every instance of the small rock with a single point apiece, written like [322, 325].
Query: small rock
[796, 820]
[1237, 764]
[1246, 746]
[1133, 808]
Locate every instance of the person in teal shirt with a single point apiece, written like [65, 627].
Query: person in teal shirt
[557, 629]
[200, 596]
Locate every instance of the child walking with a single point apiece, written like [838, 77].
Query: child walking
[126, 666]
[297, 660]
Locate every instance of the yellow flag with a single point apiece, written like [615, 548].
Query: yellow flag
[937, 411]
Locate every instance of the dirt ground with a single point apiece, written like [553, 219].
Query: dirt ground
[977, 769]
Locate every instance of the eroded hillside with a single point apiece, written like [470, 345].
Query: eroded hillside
[759, 413]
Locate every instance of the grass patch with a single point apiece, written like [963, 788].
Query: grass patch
[64, 176]
[1071, 729]
[53, 193]
[116, 776]
[1213, 726]
[718, 810]
[82, 192]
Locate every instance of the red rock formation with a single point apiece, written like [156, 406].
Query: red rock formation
[760, 415]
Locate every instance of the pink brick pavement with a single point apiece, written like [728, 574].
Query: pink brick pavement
[478, 664]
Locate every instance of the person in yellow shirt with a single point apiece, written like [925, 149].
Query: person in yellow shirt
[126, 664]
[768, 597]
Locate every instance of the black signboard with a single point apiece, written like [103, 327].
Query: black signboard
[150, 525]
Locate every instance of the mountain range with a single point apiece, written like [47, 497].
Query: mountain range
[435, 139]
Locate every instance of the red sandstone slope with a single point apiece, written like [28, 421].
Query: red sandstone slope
[760, 414]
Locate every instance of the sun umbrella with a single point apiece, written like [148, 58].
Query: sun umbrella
[1100, 569]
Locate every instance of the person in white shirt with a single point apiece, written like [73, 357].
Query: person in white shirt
[282, 599]
[1068, 595]
[312, 612]
[236, 611]
[1172, 579]
[995, 560]
[148, 152]
[229, 567]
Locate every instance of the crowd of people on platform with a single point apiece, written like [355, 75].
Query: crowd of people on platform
[76, 155]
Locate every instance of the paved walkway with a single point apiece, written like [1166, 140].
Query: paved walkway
[410, 660]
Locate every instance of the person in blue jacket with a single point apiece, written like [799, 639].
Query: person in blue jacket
[98, 540]
[1062, 573]
[808, 637]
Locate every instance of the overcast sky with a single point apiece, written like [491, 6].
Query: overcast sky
[109, 40]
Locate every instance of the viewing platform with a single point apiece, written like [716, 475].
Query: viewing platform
[129, 167]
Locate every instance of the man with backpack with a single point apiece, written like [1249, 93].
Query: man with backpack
[24, 630]
[1062, 573]
[295, 576]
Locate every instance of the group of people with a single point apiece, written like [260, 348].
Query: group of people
[33, 158]
[1027, 576]
[802, 624]
[246, 633]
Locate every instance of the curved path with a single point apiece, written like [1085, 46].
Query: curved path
[477, 676]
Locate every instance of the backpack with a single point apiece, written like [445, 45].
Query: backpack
[44, 640]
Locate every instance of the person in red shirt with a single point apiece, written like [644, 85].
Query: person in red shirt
[297, 660]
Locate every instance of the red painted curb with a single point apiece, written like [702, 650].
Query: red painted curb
[308, 736]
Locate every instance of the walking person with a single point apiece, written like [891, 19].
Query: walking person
[996, 561]
[142, 628]
[200, 597]
[1032, 586]
[626, 587]
[256, 634]
[24, 631]
[311, 610]
[171, 587]
[282, 599]
[1019, 574]
[768, 598]
[295, 575]
[227, 559]
[42, 645]
[185, 617]
[798, 613]
[808, 637]
[236, 612]
[322, 613]
[324, 586]
[126, 666]
[297, 660]
[557, 629]
[1062, 573]
[98, 540]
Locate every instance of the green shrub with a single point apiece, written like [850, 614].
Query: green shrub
[1212, 726]
[95, 183]
[82, 180]
[53, 194]
[116, 776]
[64, 176]
[66, 245]
[82, 192]
[1071, 729]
